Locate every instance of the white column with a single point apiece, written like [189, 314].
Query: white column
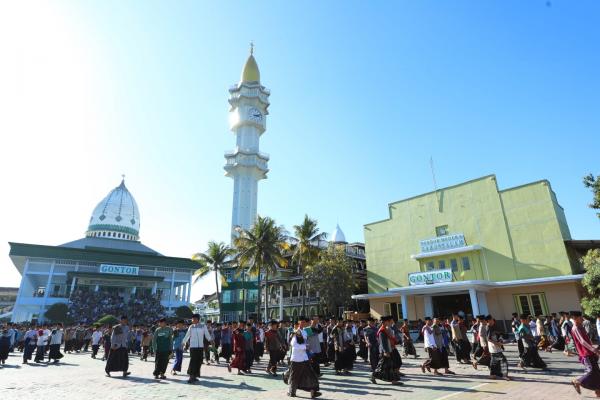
[427, 300]
[281, 302]
[20, 293]
[96, 288]
[73, 285]
[155, 285]
[189, 298]
[186, 292]
[482, 300]
[474, 302]
[133, 289]
[171, 294]
[403, 299]
[47, 290]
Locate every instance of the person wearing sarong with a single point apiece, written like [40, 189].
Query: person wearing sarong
[196, 335]
[459, 340]
[313, 345]
[5, 338]
[118, 357]
[498, 363]
[351, 332]
[178, 336]
[362, 343]
[565, 328]
[370, 335]
[476, 349]
[484, 353]
[441, 348]
[226, 342]
[30, 345]
[342, 341]
[543, 327]
[301, 375]
[330, 342]
[531, 357]
[588, 356]
[96, 339]
[433, 361]
[386, 342]
[250, 343]
[239, 349]
[56, 339]
[40, 349]
[107, 334]
[274, 347]
[408, 347]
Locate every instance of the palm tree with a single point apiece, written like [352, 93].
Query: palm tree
[260, 250]
[214, 259]
[306, 248]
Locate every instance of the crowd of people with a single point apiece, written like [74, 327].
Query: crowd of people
[88, 307]
[305, 346]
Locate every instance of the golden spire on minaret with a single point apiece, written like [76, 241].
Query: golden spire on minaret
[250, 73]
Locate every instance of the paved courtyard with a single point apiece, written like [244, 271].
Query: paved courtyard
[80, 377]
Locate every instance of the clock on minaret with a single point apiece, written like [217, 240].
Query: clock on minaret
[255, 115]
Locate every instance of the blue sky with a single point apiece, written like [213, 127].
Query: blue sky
[363, 95]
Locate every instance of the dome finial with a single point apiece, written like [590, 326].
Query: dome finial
[251, 47]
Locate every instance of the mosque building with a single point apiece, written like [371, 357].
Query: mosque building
[110, 260]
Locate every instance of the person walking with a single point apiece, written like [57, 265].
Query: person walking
[118, 356]
[239, 349]
[162, 345]
[588, 356]
[56, 339]
[433, 360]
[386, 340]
[96, 339]
[301, 375]
[274, 347]
[178, 336]
[196, 335]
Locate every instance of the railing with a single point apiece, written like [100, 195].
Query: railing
[294, 301]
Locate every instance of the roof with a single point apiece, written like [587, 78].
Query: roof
[113, 244]
[466, 285]
[20, 251]
[583, 244]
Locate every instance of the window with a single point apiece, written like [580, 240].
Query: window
[226, 296]
[400, 313]
[228, 275]
[454, 265]
[531, 304]
[430, 266]
[387, 309]
[441, 230]
[442, 264]
[466, 264]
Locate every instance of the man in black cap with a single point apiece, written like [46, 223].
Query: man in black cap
[370, 335]
[196, 334]
[385, 369]
[274, 347]
[530, 357]
[162, 344]
[118, 357]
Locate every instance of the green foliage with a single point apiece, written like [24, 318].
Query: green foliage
[591, 282]
[332, 277]
[183, 312]
[57, 312]
[306, 250]
[593, 182]
[108, 320]
[260, 250]
[217, 257]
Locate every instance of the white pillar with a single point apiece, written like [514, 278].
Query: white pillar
[47, 290]
[189, 292]
[96, 288]
[171, 294]
[154, 287]
[133, 289]
[482, 300]
[474, 302]
[281, 302]
[73, 285]
[427, 300]
[403, 299]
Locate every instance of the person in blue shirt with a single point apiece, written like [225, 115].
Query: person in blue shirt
[178, 335]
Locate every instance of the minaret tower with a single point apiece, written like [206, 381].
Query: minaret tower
[249, 101]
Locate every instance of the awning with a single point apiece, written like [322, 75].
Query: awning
[455, 250]
[463, 286]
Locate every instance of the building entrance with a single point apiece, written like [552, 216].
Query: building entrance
[444, 306]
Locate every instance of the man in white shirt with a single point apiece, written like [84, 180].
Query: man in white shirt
[195, 335]
[433, 361]
[56, 339]
[96, 338]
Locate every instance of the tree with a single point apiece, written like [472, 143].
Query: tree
[305, 251]
[183, 312]
[332, 277]
[214, 259]
[591, 282]
[108, 320]
[260, 250]
[57, 312]
[593, 182]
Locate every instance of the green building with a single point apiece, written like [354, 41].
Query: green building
[477, 249]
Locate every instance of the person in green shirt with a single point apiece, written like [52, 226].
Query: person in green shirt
[162, 344]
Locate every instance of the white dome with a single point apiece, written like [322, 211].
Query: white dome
[338, 236]
[116, 216]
